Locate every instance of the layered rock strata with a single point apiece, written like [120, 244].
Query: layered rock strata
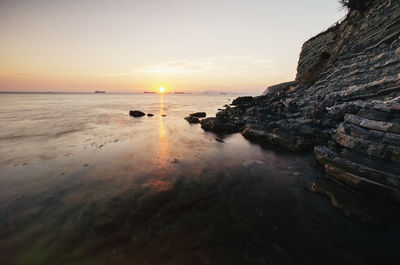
[361, 63]
[364, 153]
[345, 103]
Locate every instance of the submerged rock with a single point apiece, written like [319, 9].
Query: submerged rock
[136, 113]
[193, 120]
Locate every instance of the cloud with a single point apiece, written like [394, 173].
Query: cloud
[222, 65]
[216, 65]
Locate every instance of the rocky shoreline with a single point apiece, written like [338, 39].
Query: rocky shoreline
[344, 104]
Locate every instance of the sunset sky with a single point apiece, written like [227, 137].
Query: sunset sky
[137, 45]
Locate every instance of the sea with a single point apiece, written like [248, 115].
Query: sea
[82, 182]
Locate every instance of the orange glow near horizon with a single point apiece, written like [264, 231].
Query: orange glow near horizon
[70, 46]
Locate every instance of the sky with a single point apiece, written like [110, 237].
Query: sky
[140, 45]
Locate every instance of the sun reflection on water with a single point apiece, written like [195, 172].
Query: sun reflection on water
[163, 151]
[161, 181]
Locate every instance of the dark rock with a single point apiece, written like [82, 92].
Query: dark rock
[136, 113]
[191, 119]
[325, 155]
[164, 115]
[373, 114]
[218, 126]
[150, 115]
[391, 127]
[242, 100]
[198, 114]
[316, 113]
[279, 138]
[374, 166]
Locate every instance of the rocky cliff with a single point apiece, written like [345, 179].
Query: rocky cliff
[344, 103]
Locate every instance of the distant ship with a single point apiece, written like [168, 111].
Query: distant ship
[177, 92]
[100, 91]
[149, 92]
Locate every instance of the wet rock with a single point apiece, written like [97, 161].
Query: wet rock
[136, 113]
[275, 136]
[192, 120]
[365, 151]
[369, 170]
[150, 115]
[198, 114]
[164, 115]
[373, 114]
[218, 126]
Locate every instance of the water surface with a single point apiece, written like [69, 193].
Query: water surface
[82, 182]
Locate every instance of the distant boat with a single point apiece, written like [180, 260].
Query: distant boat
[177, 92]
[100, 91]
[149, 92]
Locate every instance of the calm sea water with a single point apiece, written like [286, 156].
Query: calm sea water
[82, 182]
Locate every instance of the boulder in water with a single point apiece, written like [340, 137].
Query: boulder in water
[136, 113]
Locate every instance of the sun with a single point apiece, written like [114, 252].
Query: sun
[161, 89]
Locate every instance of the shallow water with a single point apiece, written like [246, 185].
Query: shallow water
[82, 182]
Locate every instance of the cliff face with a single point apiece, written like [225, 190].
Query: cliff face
[315, 55]
[345, 102]
[363, 58]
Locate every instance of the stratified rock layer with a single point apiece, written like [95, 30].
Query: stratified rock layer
[365, 151]
[345, 101]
